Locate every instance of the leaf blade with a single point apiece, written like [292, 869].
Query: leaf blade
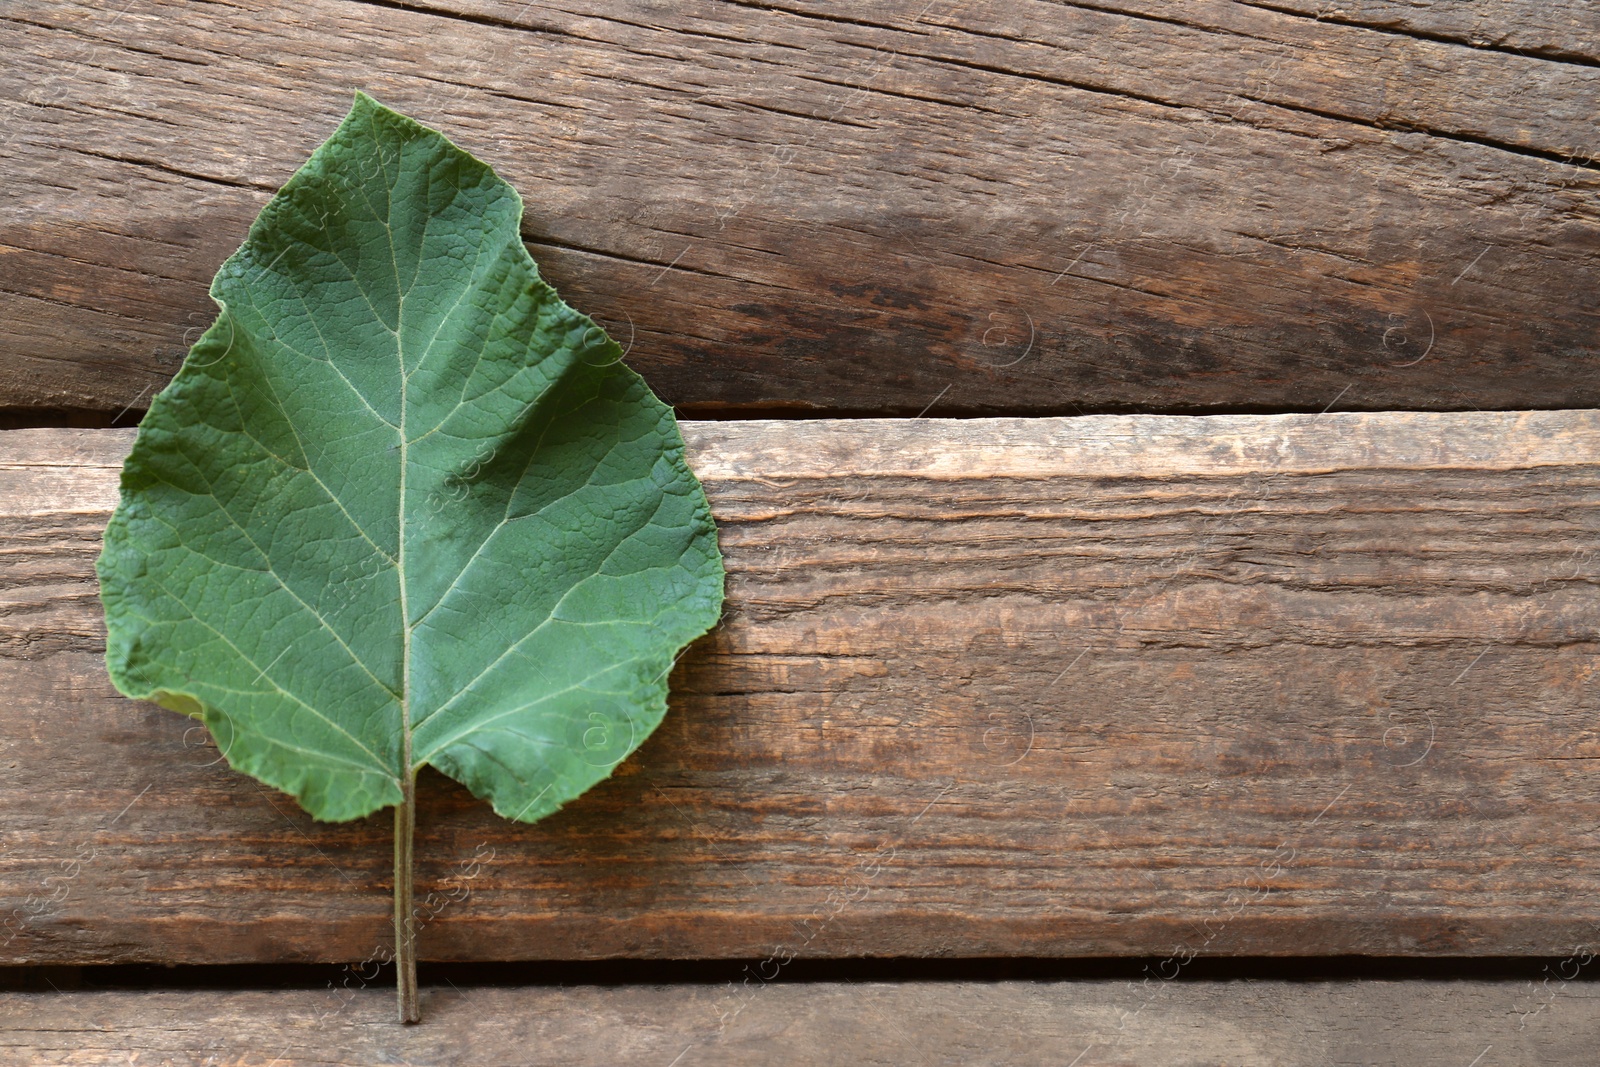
[401, 492]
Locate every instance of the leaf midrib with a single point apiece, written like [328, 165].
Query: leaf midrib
[406, 769]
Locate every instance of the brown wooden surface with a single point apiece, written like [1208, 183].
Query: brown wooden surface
[1012, 207]
[958, 1024]
[1260, 685]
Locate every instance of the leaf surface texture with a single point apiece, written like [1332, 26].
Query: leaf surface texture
[402, 506]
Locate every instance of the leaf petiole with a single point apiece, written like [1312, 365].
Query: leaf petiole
[405, 923]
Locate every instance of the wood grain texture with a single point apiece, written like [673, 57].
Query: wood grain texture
[1255, 685]
[955, 1024]
[1017, 207]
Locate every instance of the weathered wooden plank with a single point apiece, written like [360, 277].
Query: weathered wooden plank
[1227, 685]
[1088, 1024]
[1014, 207]
[1521, 27]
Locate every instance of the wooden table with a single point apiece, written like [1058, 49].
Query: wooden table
[1247, 610]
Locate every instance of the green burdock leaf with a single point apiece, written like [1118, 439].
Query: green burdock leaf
[402, 506]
